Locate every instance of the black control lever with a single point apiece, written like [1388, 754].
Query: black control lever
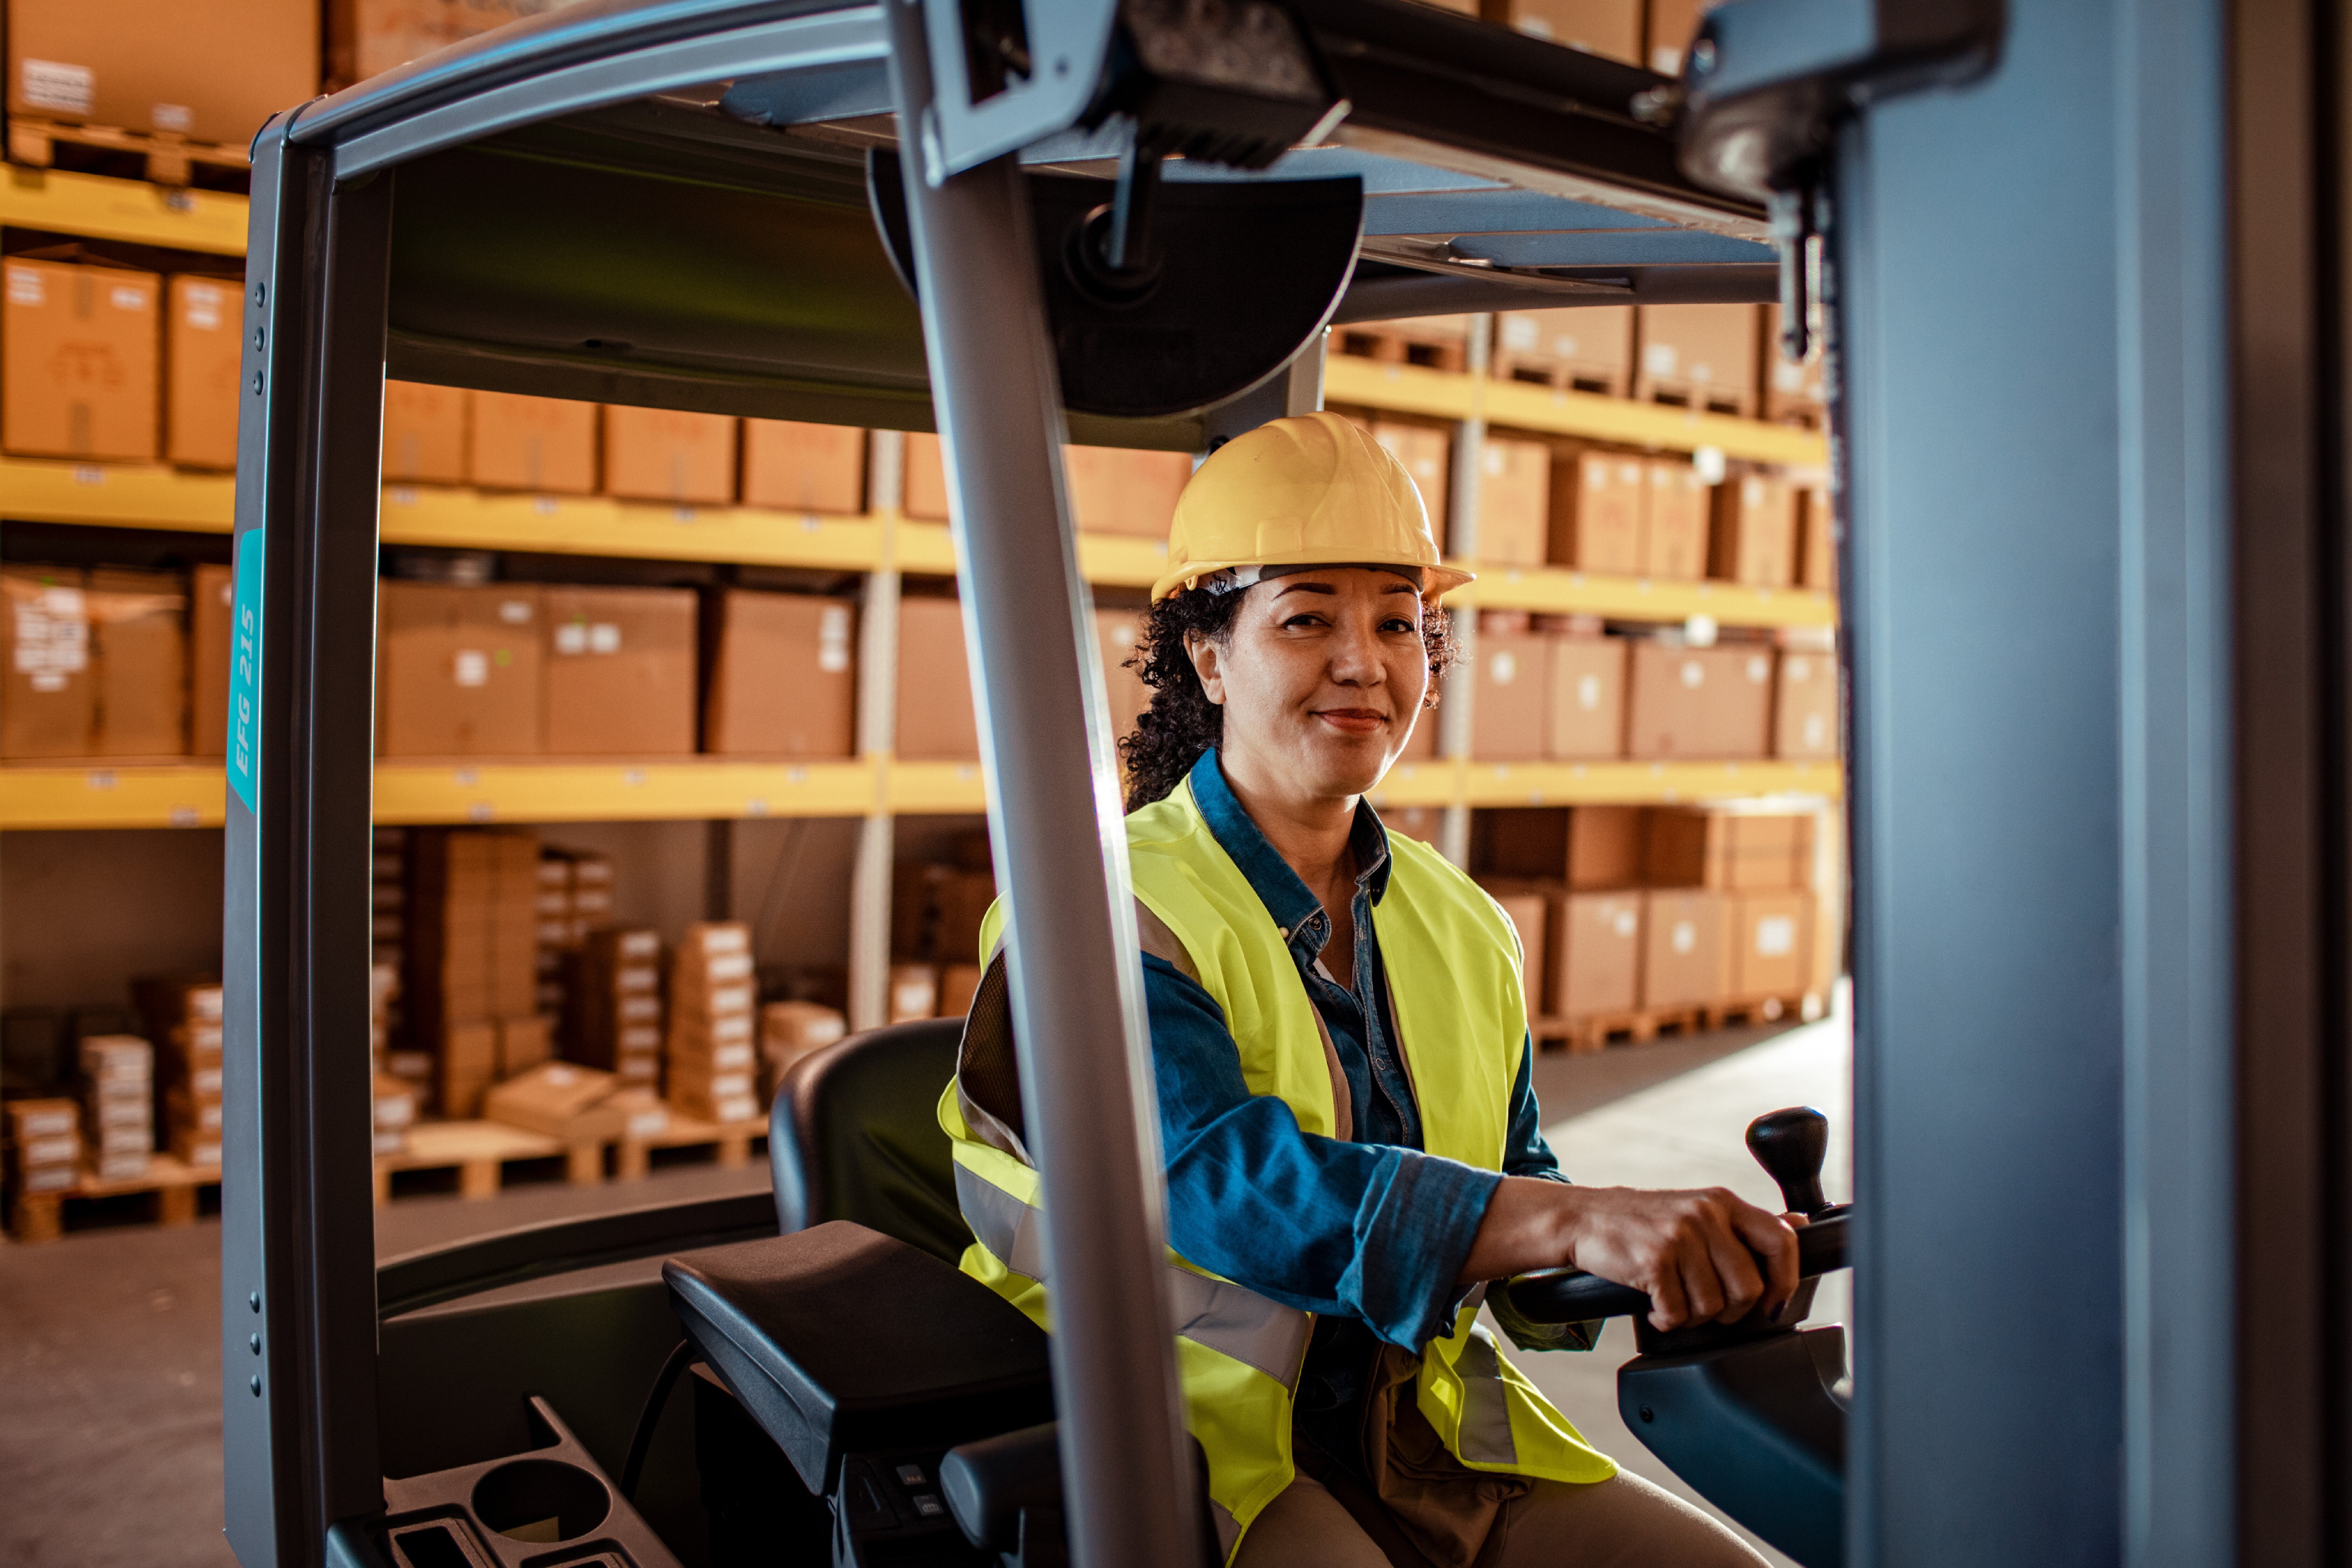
[1789, 1145]
[1572, 1296]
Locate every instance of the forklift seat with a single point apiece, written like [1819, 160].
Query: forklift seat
[853, 1134]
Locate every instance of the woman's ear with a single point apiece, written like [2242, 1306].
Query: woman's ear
[1208, 663]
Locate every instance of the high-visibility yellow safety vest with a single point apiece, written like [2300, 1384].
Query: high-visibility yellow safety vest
[1452, 965]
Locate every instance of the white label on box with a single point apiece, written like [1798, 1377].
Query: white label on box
[389, 1143]
[202, 1036]
[49, 1150]
[735, 1027]
[1588, 692]
[473, 666]
[52, 84]
[726, 939]
[913, 999]
[638, 944]
[50, 1179]
[1776, 936]
[832, 639]
[745, 1109]
[628, 980]
[729, 1085]
[727, 1058]
[1521, 332]
[732, 999]
[1759, 668]
[648, 1067]
[123, 297]
[642, 1038]
[1625, 924]
[122, 1167]
[603, 637]
[1797, 667]
[1563, 345]
[52, 636]
[555, 903]
[1503, 668]
[729, 966]
[515, 612]
[45, 1123]
[112, 1113]
[209, 1153]
[1684, 937]
[205, 1003]
[208, 1116]
[571, 636]
[134, 1138]
[204, 302]
[26, 287]
[172, 116]
[1660, 359]
[1817, 732]
[1787, 377]
[634, 1008]
[1693, 674]
[648, 1124]
[205, 1080]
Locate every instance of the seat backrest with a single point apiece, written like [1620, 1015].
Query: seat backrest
[855, 1135]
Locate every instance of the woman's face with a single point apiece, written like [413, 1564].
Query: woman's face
[1321, 678]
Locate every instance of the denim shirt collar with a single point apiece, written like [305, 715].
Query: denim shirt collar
[1305, 925]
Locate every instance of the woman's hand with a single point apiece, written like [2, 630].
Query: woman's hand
[1694, 1252]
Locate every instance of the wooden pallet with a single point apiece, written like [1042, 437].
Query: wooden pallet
[172, 1184]
[1639, 1027]
[1755, 1012]
[171, 159]
[730, 1144]
[1699, 396]
[1560, 376]
[479, 1151]
[1387, 344]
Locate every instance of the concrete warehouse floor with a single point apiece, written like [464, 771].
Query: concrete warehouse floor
[110, 1365]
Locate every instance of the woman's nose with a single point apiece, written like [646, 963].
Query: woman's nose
[1356, 659]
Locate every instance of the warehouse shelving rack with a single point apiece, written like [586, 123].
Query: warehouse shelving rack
[882, 547]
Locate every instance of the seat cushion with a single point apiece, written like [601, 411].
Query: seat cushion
[840, 1340]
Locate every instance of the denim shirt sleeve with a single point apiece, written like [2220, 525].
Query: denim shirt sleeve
[1369, 1231]
[1525, 1152]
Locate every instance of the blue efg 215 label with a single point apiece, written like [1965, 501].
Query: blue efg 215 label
[244, 669]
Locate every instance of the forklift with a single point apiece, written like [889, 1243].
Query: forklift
[1132, 222]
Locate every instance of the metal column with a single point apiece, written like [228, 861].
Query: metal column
[878, 731]
[1056, 829]
[298, 1253]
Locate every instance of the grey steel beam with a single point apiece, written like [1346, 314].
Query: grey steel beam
[298, 1257]
[1055, 826]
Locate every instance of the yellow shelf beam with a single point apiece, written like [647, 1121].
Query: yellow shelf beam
[1552, 590]
[1398, 388]
[1514, 406]
[600, 525]
[116, 495]
[192, 794]
[133, 210]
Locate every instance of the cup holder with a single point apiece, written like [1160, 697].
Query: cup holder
[540, 1501]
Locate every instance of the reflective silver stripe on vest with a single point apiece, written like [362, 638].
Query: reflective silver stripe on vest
[1485, 1403]
[1222, 1316]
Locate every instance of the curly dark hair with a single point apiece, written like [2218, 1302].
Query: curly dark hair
[1182, 722]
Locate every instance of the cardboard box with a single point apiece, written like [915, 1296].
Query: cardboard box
[48, 688]
[1770, 937]
[1514, 698]
[524, 1044]
[1116, 490]
[1590, 847]
[1588, 348]
[1817, 541]
[923, 479]
[1675, 518]
[139, 633]
[1805, 706]
[1114, 634]
[1732, 851]
[1425, 823]
[782, 683]
[1755, 538]
[460, 670]
[80, 361]
[204, 367]
[467, 1067]
[1700, 357]
[1699, 702]
[1514, 501]
[803, 467]
[560, 1098]
[425, 430]
[1683, 957]
[211, 594]
[1610, 28]
[1598, 501]
[547, 445]
[620, 676]
[1426, 452]
[208, 74]
[791, 1030]
[669, 455]
[1596, 954]
[914, 992]
[1524, 908]
[958, 984]
[367, 38]
[1587, 717]
[936, 722]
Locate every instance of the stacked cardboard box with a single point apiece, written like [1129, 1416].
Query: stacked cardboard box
[612, 1004]
[209, 75]
[424, 433]
[48, 691]
[666, 455]
[44, 1145]
[210, 592]
[80, 359]
[395, 1104]
[1754, 531]
[1114, 489]
[545, 445]
[803, 468]
[1805, 703]
[935, 721]
[562, 1099]
[912, 991]
[472, 983]
[182, 1017]
[1548, 687]
[459, 670]
[1514, 501]
[791, 1030]
[1699, 702]
[1427, 453]
[575, 897]
[118, 1109]
[389, 894]
[712, 1049]
[368, 37]
[783, 675]
[620, 671]
[1756, 869]
[203, 363]
[936, 911]
[1702, 357]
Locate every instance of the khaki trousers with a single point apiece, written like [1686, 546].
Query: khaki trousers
[1625, 1522]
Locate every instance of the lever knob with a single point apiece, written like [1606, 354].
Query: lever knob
[1789, 1145]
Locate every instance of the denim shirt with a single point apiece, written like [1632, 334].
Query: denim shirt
[1369, 1229]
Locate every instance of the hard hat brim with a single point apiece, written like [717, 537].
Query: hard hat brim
[1437, 580]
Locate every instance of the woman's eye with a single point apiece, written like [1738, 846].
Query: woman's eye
[1398, 624]
[1304, 619]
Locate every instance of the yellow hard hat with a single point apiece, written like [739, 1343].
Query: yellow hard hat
[1311, 490]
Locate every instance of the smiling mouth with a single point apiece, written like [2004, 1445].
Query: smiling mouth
[1353, 721]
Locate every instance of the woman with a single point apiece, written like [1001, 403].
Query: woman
[1339, 1045]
